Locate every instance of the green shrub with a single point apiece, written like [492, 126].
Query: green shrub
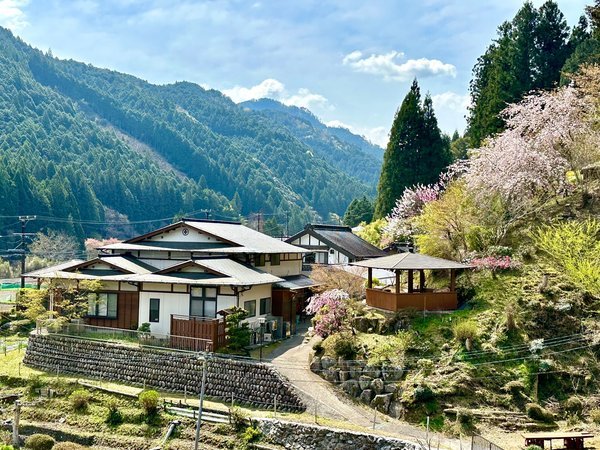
[595, 416]
[80, 399]
[68, 446]
[39, 442]
[144, 328]
[574, 406]
[149, 402]
[536, 412]
[114, 416]
[318, 348]
[423, 393]
[467, 329]
[251, 434]
[345, 348]
[6, 447]
[238, 418]
[35, 383]
[533, 447]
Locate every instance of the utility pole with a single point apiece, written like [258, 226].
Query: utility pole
[206, 213]
[23, 220]
[287, 224]
[202, 388]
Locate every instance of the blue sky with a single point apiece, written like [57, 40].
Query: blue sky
[350, 62]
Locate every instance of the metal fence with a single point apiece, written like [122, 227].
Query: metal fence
[127, 337]
[481, 443]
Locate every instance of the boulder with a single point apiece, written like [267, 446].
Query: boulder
[344, 375]
[390, 388]
[364, 382]
[377, 385]
[366, 396]
[392, 373]
[351, 388]
[372, 371]
[382, 402]
[315, 364]
[396, 410]
[327, 362]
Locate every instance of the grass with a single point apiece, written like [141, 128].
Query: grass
[266, 351]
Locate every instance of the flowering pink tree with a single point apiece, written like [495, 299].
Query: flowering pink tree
[91, 245]
[331, 311]
[494, 263]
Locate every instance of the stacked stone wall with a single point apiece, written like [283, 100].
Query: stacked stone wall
[248, 382]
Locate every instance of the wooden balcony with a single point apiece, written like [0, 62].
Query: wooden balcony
[423, 301]
[200, 328]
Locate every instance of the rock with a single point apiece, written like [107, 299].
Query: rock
[396, 410]
[351, 388]
[364, 382]
[392, 373]
[377, 385]
[344, 375]
[315, 364]
[342, 363]
[372, 371]
[382, 402]
[327, 362]
[366, 396]
[390, 388]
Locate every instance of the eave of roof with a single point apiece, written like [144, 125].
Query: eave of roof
[410, 261]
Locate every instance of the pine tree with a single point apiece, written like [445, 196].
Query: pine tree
[416, 152]
[359, 210]
[552, 48]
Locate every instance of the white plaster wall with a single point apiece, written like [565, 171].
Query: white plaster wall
[176, 235]
[226, 301]
[170, 303]
[284, 269]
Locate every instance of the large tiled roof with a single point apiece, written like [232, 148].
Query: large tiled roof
[410, 261]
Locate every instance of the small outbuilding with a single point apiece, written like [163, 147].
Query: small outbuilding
[408, 294]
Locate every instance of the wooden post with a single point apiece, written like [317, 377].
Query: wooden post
[15, 429]
[452, 280]
[370, 278]
[410, 281]
[397, 281]
[422, 280]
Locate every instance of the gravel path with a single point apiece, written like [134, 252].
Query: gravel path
[291, 359]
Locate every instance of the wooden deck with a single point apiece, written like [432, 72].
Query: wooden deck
[199, 327]
[423, 301]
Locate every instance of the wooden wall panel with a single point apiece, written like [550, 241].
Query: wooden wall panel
[128, 304]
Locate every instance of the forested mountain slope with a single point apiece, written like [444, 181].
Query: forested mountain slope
[347, 151]
[78, 141]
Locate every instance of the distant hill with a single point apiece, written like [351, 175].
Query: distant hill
[346, 151]
[90, 144]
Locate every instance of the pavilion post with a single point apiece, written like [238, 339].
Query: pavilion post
[452, 280]
[397, 281]
[410, 281]
[422, 280]
[369, 277]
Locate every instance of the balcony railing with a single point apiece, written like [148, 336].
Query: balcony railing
[423, 301]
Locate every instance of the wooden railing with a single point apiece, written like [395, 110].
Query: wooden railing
[423, 301]
[201, 328]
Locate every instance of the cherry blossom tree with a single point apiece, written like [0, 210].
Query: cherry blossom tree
[331, 311]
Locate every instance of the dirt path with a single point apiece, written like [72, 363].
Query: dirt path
[292, 360]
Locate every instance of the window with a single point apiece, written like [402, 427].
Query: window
[331, 251]
[275, 259]
[203, 302]
[265, 306]
[259, 260]
[250, 307]
[102, 304]
[154, 309]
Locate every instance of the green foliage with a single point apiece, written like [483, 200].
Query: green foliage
[251, 434]
[574, 406]
[144, 328]
[39, 442]
[392, 350]
[149, 401]
[68, 446]
[34, 384]
[114, 417]
[6, 447]
[536, 412]
[360, 210]
[573, 249]
[466, 329]
[373, 232]
[416, 152]
[595, 416]
[346, 347]
[238, 333]
[238, 418]
[33, 302]
[533, 447]
[80, 399]
[273, 228]
[318, 348]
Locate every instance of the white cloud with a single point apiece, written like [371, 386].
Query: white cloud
[451, 100]
[451, 110]
[275, 89]
[391, 68]
[12, 15]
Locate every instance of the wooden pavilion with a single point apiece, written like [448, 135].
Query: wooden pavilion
[419, 297]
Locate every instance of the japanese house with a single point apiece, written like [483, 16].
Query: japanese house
[181, 277]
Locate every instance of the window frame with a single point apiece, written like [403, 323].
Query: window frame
[264, 302]
[275, 259]
[150, 310]
[203, 299]
[260, 260]
[254, 307]
[110, 313]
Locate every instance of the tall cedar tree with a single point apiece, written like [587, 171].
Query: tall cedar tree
[416, 152]
[528, 54]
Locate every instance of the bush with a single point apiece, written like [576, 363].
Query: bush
[536, 412]
[533, 447]
[149, 402]
[251, 434]
[35, 383]
[80, 399]
[6, 447]
[574, 406]
[68, 446]
[595, 416]
[238, 418]
[345, 348]
[39, 442]
[423, 393]
[114, 416]
[144, 328]
[318, 349]
[467, 329]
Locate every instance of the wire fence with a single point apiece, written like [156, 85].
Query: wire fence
[481, 443]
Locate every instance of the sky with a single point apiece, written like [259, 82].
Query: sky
[350, 62]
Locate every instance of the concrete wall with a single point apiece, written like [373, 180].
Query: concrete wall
[250, 383]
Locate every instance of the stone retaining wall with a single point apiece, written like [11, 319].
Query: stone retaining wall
[378, 387]
[297, 436]
[250, 383]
